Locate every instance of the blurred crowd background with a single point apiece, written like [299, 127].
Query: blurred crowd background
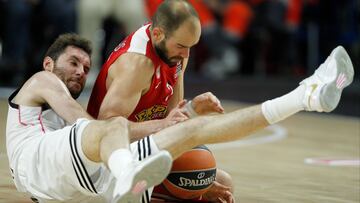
[250, 38]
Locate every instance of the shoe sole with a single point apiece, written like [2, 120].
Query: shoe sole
[153, 170]
[331, 92]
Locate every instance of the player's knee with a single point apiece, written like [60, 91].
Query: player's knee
[117, 123]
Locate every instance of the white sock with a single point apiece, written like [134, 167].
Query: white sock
[119, 161]
[280, 108]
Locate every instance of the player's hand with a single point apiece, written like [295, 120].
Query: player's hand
[219, 193]
[207, 103]
[176, 115]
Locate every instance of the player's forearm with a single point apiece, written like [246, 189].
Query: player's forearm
[139, 130]
[72, 112]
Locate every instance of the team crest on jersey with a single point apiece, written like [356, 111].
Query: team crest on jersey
[154, 112]
[121, 45]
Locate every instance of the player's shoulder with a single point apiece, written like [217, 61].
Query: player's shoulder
[137, 58]
[43, 75]
[133, 62]
[38, 85]
[43, 79]
[142, 60]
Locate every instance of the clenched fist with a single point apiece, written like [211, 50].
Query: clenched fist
[207, 103]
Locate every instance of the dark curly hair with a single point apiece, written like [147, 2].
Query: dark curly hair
[65, 40]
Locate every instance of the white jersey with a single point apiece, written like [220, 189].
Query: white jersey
[24, 122]
[40, 153]
[46, 159]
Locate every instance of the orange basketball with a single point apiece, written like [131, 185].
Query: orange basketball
[192, 173]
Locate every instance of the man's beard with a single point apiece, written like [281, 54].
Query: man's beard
[76, 94]
[60, 74]
[162, 53]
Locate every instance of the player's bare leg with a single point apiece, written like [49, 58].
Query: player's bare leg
[320, 92]
[108, 142]
[210, 129]
[98, 141]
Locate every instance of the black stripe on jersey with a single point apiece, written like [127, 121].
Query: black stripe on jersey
[139, 149]
[77, 175]
[11, 97]
[144, 147]
[145, 144]
[148, 154]
[148, 145]
[140, 158]
[143, 199]
[147, 195]
[79, 168]
[75, 164]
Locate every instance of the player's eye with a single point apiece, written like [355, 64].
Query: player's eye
[86, 70]
[73, 63]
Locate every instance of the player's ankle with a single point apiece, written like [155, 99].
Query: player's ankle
[119, 161]
[282, 107]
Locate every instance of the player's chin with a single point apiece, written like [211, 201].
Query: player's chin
[75, 94]
[76, 86]
[76, 90]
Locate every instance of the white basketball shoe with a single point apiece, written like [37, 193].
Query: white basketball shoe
[324, 87]
[147, 173]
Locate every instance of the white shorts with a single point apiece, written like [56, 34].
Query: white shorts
[53, 166]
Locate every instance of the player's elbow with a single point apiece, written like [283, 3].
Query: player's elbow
[106, 114]
[109, 113]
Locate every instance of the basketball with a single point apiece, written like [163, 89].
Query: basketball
[192, 173]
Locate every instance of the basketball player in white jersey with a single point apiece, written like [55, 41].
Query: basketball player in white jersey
[52, 160]
[59, 164]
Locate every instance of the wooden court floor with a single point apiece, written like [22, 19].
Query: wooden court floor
[271, 171]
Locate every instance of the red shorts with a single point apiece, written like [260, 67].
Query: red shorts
[160, 194]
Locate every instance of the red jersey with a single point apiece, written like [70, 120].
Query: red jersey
[153, 104]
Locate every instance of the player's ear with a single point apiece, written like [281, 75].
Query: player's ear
[158, 34]
[48, 64]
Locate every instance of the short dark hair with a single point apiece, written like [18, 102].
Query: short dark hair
[65, 40]
[172, 13]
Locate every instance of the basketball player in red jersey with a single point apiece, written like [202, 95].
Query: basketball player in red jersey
[143, 77]
[143, 80]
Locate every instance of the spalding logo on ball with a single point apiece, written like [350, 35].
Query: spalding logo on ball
[192, 174]
[195, 180]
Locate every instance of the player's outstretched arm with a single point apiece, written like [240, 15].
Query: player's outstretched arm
[46, 88]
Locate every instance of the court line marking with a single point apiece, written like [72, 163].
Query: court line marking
[328, 161]
[277, 133]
